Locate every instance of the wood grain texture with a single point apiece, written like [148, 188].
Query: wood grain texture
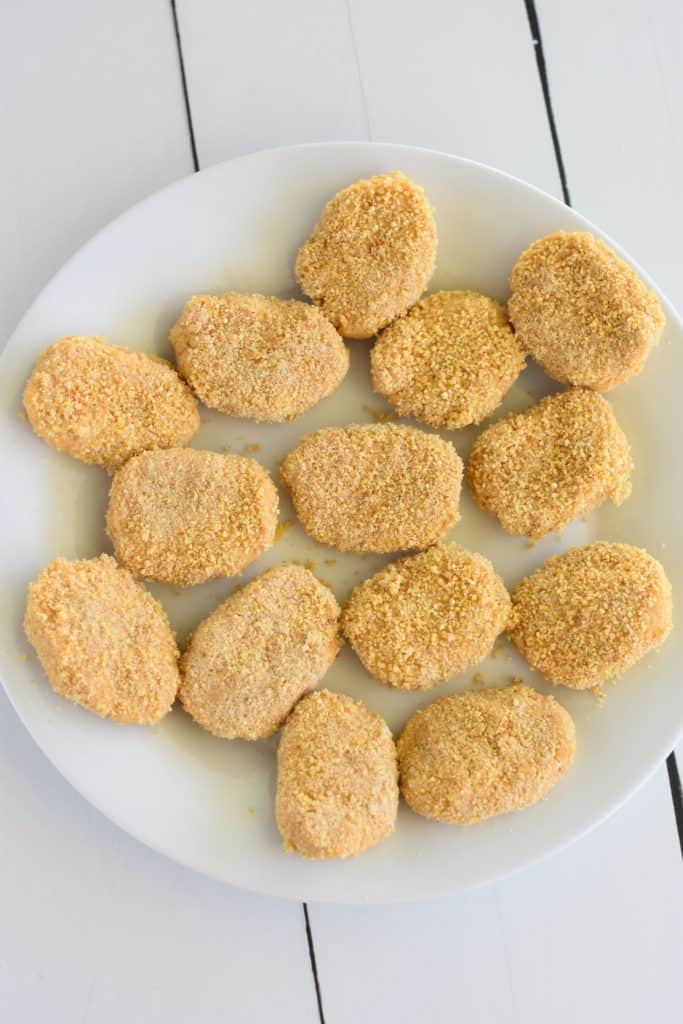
[97, 928]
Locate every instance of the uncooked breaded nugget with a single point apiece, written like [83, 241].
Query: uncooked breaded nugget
[449, 361]
[102, 639]
[539, 469]
[586, 616]
[471, 756]
[263, 358]
[371, 254]
[337, 790]
[427, 617]
[247, 664]
[103, 404]
[184, 516]
[581, 312]
[378, 487]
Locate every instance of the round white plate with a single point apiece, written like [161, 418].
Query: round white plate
[208, 803]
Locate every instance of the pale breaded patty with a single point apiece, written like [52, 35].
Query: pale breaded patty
[449, 361]
[247, 664]
[102, 639]
[586, 616]
[337, 789]
[263, 358]
[103, 404]
[468, 757]
[378, 487]
[371, 254]
[539, 469]
[581, 312]
[425, 618]
[184, 516]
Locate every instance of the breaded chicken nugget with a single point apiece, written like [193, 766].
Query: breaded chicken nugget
[371, 254]
[427, 617]
[337, 789]
[449, 361]
[581, 312]
[378, 487]
[103, 404]
[103, 641]
[184, 516]
[539, 469]
[471, 756]
[586, 616]
[247, 664]
[263, 358]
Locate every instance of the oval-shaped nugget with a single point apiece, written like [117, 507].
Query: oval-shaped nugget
[471, 756]
[103, 640]
[377, 487]
[539, 469]
[581, 312]
[184, 516]
[246, 666]
[425, 618]
[586, 616]
[263, 358]
[103, 404]
[371, 254]
[449, 361]
[337, 789]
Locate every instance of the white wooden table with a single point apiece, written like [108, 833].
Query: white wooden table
[104, 103]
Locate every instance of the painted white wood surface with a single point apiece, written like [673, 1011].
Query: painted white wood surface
[94, 927]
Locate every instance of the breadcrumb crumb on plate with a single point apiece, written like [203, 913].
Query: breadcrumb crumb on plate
[476, 754]
[246, 666]
[586, 616]
[539, 469]
[184, 516]
[103, 404]
[263, 358]
[377, 487]
[371, 254]
[337, 788]
[425, 618]
[582, 312]
[449, 361]
[103, 640]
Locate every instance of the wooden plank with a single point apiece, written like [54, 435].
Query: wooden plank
[97, 928]
[592, 934]
[264, 74]
[95, 122]
[94, 926]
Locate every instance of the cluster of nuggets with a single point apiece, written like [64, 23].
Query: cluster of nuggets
[185, 516]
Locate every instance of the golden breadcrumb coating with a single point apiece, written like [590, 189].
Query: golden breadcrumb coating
[471, 756]
[377, 487]
[581, 312]
[586, 616]
[337, 788]
[371, 254]
[449, 361]
[103, 404]
[103, 641]
[247, 665]
[539, 469]
[263, 358]
[425, 618]
[184, 516]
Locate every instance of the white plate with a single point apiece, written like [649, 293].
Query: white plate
[208, 803]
